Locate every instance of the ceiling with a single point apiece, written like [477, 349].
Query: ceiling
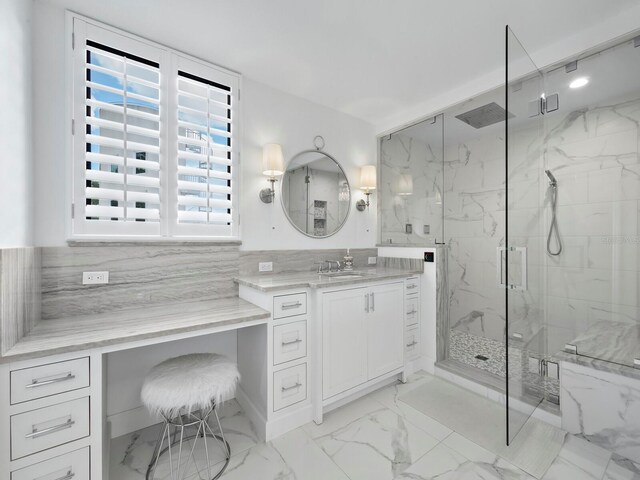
[373, 59]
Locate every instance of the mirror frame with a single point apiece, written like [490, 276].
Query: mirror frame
[284, 209]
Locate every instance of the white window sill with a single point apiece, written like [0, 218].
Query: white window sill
[92, 241]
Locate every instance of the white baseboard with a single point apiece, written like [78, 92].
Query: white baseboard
[360, 391]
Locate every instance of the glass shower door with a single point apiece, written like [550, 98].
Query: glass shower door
[520, 258]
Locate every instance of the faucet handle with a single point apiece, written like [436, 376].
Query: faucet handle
[320, 264]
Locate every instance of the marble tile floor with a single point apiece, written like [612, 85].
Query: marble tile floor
[375, 437]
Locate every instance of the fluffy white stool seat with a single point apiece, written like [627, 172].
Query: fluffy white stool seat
[190, 382]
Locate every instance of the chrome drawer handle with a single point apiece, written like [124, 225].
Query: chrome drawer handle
[292, 342]
[286, 306]
[411, 287]
[37, 383]
[412, 344]
[297, 385]
[68, 476]
[47, 431]
[412, 312]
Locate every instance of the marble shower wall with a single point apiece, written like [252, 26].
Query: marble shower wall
[19, 293]
[594, 154]
[139, 275]
[475, 216]
[402, 156]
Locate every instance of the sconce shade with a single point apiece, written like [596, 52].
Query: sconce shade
[272, 160]
[368, 177]
[405, 185]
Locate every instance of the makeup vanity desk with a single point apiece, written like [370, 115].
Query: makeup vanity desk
[305, 344]
[52, 403]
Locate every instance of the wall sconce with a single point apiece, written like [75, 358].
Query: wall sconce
[272, 167]
[367, 183]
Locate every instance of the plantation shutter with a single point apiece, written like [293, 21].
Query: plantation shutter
[206, 150]
[119, 150]
[155, 140]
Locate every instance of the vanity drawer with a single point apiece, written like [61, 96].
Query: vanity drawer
[73, 465]
[289, 305]
[411, 311]
[412, 343]
[412, 286]
[289, 386]
[289, 342]
[49, 427]
[44, 380]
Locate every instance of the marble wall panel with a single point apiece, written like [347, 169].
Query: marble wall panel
[139, 275]
[19, 293]
[300, 260]
[602, 407]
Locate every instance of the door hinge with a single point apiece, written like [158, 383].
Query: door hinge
[73, 210]
[73, 40]
[73, 126]
[238, 94]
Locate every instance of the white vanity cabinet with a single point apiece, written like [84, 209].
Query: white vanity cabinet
[362, 336]
[50, 417]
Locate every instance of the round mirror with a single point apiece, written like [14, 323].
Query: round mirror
[315, 193]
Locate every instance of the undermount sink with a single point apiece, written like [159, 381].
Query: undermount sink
[351, 274]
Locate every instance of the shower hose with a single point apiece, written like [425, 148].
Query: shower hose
[553, 228]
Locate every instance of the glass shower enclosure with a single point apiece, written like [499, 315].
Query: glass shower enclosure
[531, 192]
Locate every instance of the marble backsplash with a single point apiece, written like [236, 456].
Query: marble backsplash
[300, 260]
[19, 293]
[139, 275]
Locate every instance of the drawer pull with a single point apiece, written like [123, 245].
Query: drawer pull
[412, 312]
[297, 385]
[292, 342]
[412, 286]
[68, 476]
[412, 344]
[286, 306]
[47, 431]
[37, 383]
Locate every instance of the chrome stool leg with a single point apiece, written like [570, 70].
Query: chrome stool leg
[178, 468]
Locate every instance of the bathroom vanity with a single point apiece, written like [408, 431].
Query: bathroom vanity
[333, 338]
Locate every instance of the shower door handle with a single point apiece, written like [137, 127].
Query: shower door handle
[499, 260]
[502, 283]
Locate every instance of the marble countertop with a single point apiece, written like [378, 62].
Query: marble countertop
[609, 346]
[285, 281]
[70, 334]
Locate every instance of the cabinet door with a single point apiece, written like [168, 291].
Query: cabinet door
[385, 323]
[344, 340]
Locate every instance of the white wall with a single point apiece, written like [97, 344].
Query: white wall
[15, 124]
[269, 116]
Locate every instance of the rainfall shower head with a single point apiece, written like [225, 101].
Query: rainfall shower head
[552, 179]
[484, 116]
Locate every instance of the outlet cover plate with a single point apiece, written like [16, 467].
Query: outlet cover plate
[95, 278]
[265, 266]
[372, 260]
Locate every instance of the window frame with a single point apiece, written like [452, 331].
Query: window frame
[170, 61]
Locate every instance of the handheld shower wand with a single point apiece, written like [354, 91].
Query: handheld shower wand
[553, 228]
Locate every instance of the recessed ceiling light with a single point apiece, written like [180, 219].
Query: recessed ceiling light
[579, 82]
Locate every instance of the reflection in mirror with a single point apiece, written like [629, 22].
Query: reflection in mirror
[315, 193]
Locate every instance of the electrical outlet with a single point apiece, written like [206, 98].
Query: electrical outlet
[372, 260]
[265, 267]
[95, 278]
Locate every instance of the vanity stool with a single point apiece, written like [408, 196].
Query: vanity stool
[185, 391]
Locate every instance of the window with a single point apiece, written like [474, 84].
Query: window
[155, 150]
